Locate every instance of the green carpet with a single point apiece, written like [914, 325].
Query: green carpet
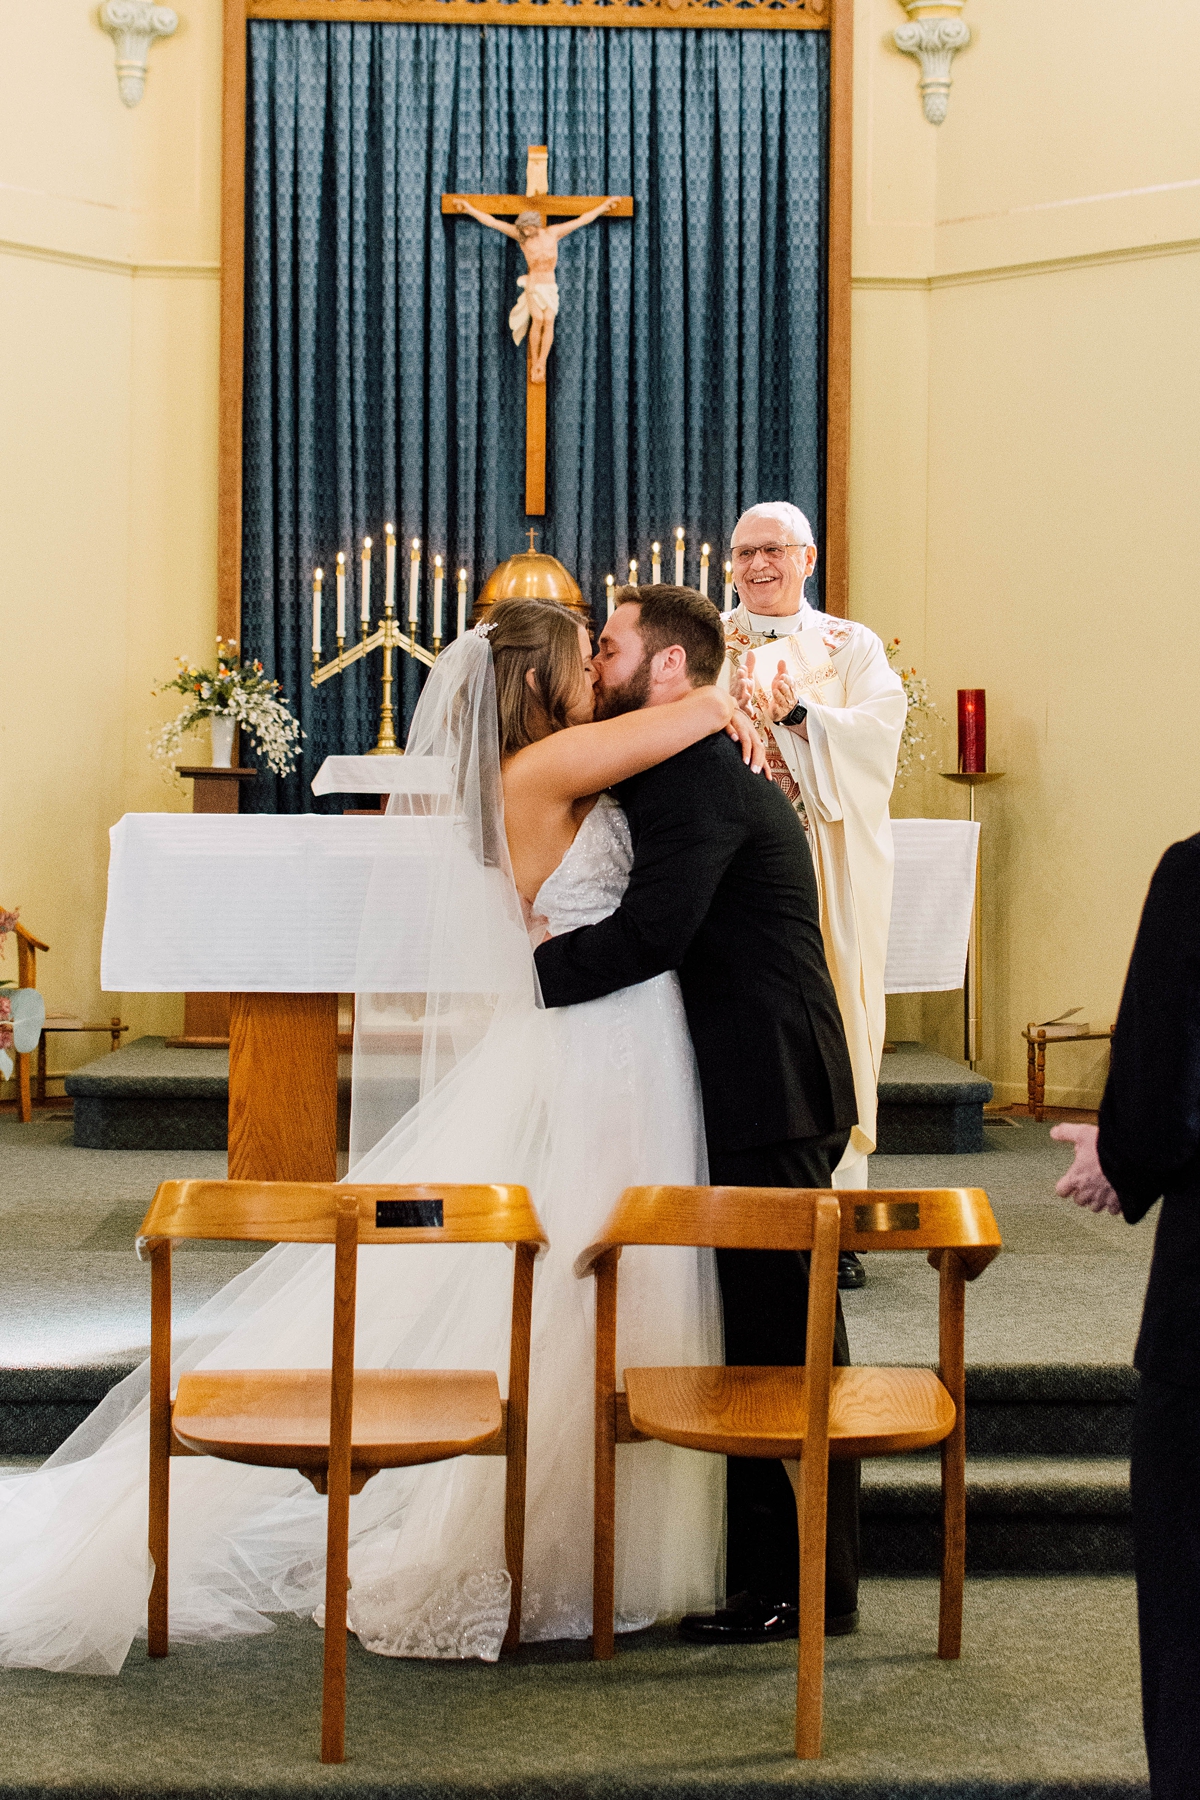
[1043, 1703]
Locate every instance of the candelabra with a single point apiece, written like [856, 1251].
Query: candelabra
[387, 637]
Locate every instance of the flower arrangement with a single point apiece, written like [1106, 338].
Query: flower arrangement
[232, 690]
[916, 740]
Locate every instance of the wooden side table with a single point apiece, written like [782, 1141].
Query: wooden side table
[1035, 1042]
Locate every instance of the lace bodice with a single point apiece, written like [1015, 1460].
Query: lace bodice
[591, 879]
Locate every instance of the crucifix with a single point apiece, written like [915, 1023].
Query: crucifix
[537, 308]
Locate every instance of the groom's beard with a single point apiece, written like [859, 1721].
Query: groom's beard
[631, 696]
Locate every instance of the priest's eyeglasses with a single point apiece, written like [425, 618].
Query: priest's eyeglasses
[744, 554]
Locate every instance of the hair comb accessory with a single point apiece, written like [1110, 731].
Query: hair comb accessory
[483, 631]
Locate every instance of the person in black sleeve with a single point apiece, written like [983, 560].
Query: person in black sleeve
[1147, 1146]
[723, 891]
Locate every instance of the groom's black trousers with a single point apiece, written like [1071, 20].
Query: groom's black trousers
[764, 1296]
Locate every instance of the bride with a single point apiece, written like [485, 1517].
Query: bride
[575, 1103]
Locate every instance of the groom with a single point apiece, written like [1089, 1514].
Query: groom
[722, 890]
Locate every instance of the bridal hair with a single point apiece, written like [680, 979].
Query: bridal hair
[679, 615]
[542, 636]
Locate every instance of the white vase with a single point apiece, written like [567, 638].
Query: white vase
[222, 740]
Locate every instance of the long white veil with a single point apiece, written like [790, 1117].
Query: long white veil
[443, 952]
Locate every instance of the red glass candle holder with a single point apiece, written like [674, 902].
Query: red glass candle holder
[972, 731]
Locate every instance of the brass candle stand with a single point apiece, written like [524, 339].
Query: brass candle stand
[387, 637]
[973, 983]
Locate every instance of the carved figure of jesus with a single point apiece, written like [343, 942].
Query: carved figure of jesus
[537, 309]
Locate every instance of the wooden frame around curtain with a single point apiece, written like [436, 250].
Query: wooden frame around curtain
[834, 16]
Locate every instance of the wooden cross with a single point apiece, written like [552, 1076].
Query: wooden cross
[536, 199]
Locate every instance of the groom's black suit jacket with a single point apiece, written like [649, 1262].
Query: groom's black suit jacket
[723, 890]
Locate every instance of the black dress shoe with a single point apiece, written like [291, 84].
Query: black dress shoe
[748, 1619]
[851, 1273]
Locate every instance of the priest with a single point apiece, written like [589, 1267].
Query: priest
[831, 710]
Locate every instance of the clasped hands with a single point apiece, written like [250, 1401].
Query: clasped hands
[783, 694]
[1085, 1181]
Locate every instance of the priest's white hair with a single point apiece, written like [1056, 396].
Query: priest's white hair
[787, 515]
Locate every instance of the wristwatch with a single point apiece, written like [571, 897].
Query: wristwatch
[797, 715]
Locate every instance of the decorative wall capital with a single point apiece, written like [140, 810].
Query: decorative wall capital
[934, 34]
[133, 26]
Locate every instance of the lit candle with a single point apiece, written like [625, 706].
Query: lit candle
[704, 570]
[462, 601]
[656, 563]
[633, 580]
[438, 576]
[679, 556]
[341, 595]
[414, 583]
[318, 578]
[608, 589]
[972, 731]
[728, 587]
[389, 585]
[366, 582]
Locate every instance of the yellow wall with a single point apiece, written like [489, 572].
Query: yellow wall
[1026, 457]
[1025, 461]
[108, 319]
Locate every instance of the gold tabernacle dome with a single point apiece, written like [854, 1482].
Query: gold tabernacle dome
[532, 575]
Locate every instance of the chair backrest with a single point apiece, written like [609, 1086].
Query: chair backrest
[718, 1218]
[929, 1219]
[298, 1212]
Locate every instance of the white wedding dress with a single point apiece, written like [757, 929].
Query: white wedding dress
[576, 1103]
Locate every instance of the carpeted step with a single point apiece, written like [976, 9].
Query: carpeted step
[40, 1408]
[146, 1097]
[929, 1105]
[1031, 1515]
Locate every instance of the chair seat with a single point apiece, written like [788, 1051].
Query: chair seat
[280, 1417]
[764, 1412]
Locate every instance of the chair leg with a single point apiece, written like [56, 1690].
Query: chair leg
[517, 1438]
[157, 1615]
[810, 1482]
[954, 1458]
[337, 1582]
[24, 1097]
[605, 1498]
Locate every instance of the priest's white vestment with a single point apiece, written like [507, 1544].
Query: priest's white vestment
[840, 781]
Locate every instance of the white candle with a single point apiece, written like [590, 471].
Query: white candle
[366, 582]
[656, 563]
[608, 589]
[679, 556]
[728, 587]
[633, 580]
[341, 595]
[318, 578]
[704, 570]
[438, 576]
[462, 601]
[414, 582]
[389, 584]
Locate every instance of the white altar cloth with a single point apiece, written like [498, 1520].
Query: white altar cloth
[933, 894]
[382, 775]
[263, 903]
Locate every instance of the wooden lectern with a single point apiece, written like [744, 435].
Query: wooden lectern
[271, 908]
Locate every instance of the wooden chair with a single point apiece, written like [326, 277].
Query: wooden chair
[780, 1413]
[338, 1426]
[27, 949]
[800, 1416]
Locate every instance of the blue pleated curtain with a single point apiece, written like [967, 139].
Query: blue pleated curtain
[687, 378]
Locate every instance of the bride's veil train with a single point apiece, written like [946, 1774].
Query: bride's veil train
[459, 1075]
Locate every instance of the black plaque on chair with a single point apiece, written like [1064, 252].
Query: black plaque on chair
[393, 1215]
